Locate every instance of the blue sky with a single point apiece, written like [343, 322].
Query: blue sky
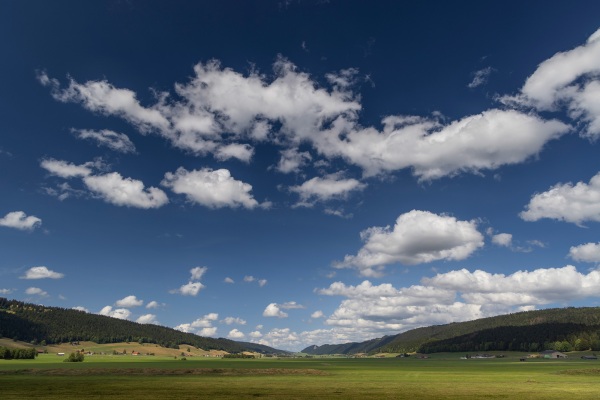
[301, 172]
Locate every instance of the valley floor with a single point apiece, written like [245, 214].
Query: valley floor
[443, 376]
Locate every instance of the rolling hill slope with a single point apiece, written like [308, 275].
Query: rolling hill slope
[527, 331]
[35, 323]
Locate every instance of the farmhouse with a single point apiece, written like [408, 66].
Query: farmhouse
[552, 354]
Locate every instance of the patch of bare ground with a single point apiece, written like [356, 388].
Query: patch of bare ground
[165, 371]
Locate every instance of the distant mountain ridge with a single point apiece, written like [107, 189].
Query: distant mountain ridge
[574, 328]
[34, 323]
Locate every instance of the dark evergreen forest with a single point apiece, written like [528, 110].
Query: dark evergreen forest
[34, 323]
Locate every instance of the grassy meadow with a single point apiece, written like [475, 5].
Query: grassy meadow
[442, 376]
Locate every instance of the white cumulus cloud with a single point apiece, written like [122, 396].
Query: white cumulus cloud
[568, 79]
[502, 239]
[235, 334]
[232, 320]
[588, 252]
[66, 169]
[566, 202]
[213, 189]
[323, 189]
[119, 313]
[147, 319]
[20, 220]
[111, 187]
[189, 289]
[34, 291]
[290, 109]
[273, 310]
[417, 237]
[41, 272]
[197, 273]
[129, 301]
[115, 189]
[153, 304]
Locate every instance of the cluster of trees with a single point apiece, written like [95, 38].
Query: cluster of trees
[75, 357]
[17, 354]
[34, 323]
[533, 338]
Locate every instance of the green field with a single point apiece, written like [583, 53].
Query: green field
[442, 376]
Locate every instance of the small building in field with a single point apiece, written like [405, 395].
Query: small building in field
[552, 354]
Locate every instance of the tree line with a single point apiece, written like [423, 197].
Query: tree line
[534, 338]
[17, 354]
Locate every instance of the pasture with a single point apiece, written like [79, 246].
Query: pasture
[443, 376]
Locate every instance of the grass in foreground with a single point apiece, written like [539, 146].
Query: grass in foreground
[441, 377]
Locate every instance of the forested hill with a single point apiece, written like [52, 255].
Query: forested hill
[574, 328]
[30, 322]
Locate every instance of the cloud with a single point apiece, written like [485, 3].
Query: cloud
[111, 187]
[20, 220]
[566, 202]
[250, 278]
[290, 305]
[235, 334]
[568, 79]
[255, 334]
[480, 77]
[292, 160]
[242, 152]
[272, 310]
[338, 213]
[193, 287]
[129, 301]
[213, 189]
[113, 140]
[119, 313]
[41, 272]
[212, 331]
[154, 304]
[502, 239]
[189, 289]
[66, 169]
[81, 308]
[485, 141]
[197, 273]
[589, 252]
[147, 319]
[34, 291]
[317, 314]
[104, 98]
[545, 87]
[232, 320]
[326, 188]
[417, 237]
[537, 287]
[290, 109]
[5, 292]
[203, 326]
[228, 280]
[275, 310]
[115, 189]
